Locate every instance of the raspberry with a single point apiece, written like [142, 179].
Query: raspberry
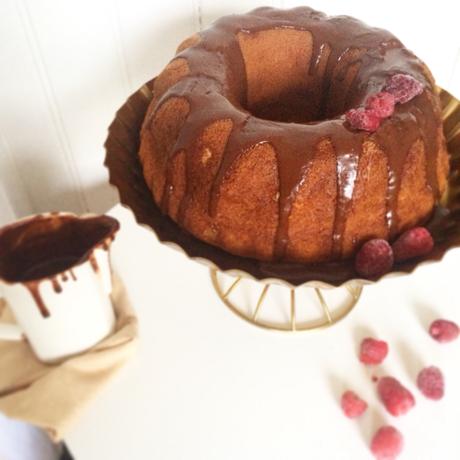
[373, 351]
[363, 119]
[430, 382]
[412, 243]
[381, 104]
[403, 87]
[374, 258]
[397, 399]
[387, 443]
[352, 405]
[444, 331]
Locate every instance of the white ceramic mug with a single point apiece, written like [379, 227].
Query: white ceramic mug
[56, 278]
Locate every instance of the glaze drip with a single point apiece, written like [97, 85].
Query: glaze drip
[34, 289]
[216, 88]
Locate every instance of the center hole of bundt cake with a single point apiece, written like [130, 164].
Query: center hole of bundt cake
[280, 86]
[290, 107]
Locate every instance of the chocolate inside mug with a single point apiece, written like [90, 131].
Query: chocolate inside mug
[45, 246]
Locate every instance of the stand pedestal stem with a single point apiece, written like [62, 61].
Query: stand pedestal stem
[332, 314]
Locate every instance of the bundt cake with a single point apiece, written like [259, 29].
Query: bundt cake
[247, 143]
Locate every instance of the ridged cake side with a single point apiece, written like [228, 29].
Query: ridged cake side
[221, 164]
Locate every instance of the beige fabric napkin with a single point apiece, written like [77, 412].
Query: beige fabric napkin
[52, 396]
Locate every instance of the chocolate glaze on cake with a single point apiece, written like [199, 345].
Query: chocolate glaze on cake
[216, 88]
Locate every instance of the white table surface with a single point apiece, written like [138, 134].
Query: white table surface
[205, 385]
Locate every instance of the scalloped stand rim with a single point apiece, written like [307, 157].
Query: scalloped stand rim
[125, 174]
[124, 168]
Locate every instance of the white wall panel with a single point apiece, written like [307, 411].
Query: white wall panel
[69, 66]
[82, 66]
[150, 32]
[27, 119]
[14, 200]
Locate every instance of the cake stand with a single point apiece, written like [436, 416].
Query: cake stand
[277, 296]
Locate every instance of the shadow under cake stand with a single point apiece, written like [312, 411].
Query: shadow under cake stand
[278, 296]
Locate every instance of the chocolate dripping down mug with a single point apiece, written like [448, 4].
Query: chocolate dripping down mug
[56, 278]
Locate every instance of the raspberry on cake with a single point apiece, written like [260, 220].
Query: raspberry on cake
[364, 119]
[403, 87]
[412, 243]
[381, 104]
[375, 258]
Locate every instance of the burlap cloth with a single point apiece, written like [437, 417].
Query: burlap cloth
[52, 396]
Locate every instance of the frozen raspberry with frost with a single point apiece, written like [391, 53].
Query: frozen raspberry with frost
[412, 243]
[375, 258]
[396, 398]
[381, 104]
[430, 382]
[363, 119]
[403, 87]
[444, 331]
[352, 405]
[373, 351]
[387, 443]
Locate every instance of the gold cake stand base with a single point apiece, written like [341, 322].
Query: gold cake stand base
[332, 313]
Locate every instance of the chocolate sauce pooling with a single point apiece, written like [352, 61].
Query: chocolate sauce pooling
[42, 248]
[216, 88]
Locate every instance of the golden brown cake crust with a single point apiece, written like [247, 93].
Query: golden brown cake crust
[245, 145]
